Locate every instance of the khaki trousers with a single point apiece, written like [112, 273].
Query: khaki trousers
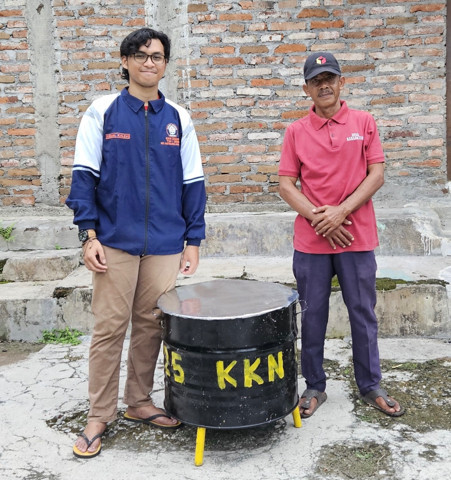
[129, 290]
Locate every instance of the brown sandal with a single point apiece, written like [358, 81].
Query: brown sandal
[308, 395]
[370, 399]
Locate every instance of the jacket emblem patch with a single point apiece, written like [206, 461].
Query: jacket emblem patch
[172, 135]
[121, 136]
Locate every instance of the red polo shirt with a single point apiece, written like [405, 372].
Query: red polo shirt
[331, 157]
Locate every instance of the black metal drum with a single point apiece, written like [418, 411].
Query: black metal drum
[230, 353]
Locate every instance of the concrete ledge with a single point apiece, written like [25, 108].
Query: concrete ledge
[38, 265]
[28, 308]
[40, 233]
[408, 310]
[404, 231]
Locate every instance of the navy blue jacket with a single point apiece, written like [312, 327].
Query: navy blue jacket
[137, 176]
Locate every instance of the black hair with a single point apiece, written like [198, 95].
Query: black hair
[138, 38]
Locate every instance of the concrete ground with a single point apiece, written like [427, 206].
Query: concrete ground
[43, 406]
[43, 398]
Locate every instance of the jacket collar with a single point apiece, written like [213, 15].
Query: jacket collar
[136, 104]
[340, 117]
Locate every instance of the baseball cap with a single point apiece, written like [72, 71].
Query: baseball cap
[320, 62]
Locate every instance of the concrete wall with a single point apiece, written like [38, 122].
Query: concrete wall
[237, 66]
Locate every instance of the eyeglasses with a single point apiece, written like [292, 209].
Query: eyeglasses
[141, 57]
[328, 79]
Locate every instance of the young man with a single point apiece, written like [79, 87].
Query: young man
[138, 197]
[336, 154]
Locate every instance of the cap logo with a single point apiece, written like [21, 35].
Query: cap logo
[320, 60]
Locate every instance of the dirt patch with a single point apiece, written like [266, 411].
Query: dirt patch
[423, 388]
[137, 438]
[13, 352]
[366, 460]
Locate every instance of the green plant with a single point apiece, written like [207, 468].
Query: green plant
[6, 232]
[68, 336]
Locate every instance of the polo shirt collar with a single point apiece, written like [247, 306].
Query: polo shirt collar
[340, 117]
[136, 104]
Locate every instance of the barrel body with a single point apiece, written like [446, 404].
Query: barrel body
[230, 353]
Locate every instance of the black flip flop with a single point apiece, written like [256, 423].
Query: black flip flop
[151, 421]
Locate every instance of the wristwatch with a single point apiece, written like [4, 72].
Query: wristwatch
[85, 235]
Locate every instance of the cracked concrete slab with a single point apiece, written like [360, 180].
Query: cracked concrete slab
[43, 403]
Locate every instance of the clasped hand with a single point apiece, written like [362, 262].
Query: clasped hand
[329, 222]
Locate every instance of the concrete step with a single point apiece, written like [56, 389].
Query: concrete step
[405, 231]
[40, 233]
[418, 309]
[51, 290]
[38, 265]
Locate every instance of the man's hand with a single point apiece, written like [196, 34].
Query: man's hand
[341, 237]
[190, 260]
[328, 218]
[94, 256]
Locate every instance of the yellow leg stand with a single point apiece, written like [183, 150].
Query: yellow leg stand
[200, 444]
[297, 417]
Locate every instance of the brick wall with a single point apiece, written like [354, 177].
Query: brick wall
[242, 81]
[19, 177]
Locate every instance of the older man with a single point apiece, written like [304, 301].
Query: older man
[336, 154]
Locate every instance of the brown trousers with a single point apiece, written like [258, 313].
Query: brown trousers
[129, 290]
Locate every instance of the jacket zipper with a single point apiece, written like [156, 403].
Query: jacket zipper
[146, 223]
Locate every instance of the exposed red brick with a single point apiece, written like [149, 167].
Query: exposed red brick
[234, 17]
[21, 131]
[313, 12]
[235, 169]
[249, 125]
[294, 114]
[254, 49]
[11, 13]
[227, 50]
[428, 8]
[261, 82]
[328, 24]
[197, 7]
[228, 61]
[387, 100]
[290, 48]
[245, 189]
[226, 178]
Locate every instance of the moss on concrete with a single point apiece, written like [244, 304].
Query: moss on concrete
[62, 292]
[364, 460]
[386, 283]
[423, 388]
